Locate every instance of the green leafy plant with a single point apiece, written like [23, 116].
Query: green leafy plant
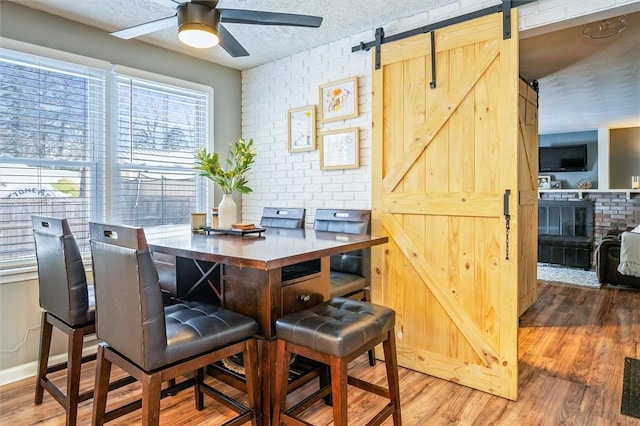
[232, 177]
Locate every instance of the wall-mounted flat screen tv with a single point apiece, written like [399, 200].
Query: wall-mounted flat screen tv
[563, 158]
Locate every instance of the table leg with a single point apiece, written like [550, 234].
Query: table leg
[267, 351]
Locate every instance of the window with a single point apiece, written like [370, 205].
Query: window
[158, 129]
[71, 148]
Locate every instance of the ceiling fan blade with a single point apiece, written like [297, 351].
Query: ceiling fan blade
[256, 17]
[230, 44]
[146, 28]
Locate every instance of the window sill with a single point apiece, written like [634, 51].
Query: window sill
[15, 272]
[18, 273]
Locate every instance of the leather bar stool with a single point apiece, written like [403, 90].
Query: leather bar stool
[334, 333]
[350, 272]
[156, 343]
[67, 303]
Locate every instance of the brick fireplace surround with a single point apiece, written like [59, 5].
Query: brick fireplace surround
[612, 210]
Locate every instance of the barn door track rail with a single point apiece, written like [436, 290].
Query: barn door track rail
[505, 7]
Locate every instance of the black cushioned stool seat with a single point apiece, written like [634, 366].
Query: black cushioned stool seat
[193, 327]
[334, 333]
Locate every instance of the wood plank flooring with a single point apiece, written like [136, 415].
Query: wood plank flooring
[572, 345]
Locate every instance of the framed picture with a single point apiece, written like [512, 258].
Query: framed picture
[340, 149]
[544, 182]
[339, 100]
[301, 125]
[555, 184]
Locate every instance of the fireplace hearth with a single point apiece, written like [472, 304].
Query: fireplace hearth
[565, 232]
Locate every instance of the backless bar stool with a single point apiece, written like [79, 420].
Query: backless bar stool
[334, 333]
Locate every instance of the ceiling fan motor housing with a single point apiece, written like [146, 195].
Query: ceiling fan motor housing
[193, 16]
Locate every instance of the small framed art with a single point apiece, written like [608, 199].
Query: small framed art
[301, 125]
[340, 149]
[544, 182]
[339, 100]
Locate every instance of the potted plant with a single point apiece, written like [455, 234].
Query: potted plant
[231, 177]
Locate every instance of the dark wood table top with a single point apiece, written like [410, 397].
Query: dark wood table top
[274, 249]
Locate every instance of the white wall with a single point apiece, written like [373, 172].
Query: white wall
[281, 179]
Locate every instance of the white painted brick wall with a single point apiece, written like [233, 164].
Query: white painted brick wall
[281, 179]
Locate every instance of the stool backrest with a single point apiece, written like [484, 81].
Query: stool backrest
[282, 217]
[350, 222]
[62, 280]
[346, 221]
[129, 310]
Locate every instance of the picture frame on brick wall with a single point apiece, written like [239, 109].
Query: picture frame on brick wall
[339, 100]
[301, 125]
[340, 149]
[544, 182]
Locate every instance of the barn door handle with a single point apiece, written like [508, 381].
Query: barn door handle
[507, 219]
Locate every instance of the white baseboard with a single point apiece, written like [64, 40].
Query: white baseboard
[25, 371]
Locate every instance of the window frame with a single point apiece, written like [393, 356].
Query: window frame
[100, 206]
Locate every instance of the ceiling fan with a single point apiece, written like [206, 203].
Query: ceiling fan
[200, 24]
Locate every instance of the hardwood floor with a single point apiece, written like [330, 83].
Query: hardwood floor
[572, 345]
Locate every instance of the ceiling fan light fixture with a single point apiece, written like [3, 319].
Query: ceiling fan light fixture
[197, 25]
[198, 35]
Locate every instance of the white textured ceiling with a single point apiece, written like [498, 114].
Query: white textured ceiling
[341, 18]
[584, 84]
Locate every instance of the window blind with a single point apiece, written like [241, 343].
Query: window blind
[70, 148]
[52, 137]
[158, 129]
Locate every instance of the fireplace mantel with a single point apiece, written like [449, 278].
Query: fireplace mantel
[581, 192]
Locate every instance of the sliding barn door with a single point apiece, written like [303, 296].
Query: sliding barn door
[445, 169]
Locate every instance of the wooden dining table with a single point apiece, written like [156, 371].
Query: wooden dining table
[263, 275]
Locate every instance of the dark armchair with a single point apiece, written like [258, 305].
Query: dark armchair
[608, 259]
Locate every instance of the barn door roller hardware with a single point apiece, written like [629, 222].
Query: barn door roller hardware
[505, 7]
